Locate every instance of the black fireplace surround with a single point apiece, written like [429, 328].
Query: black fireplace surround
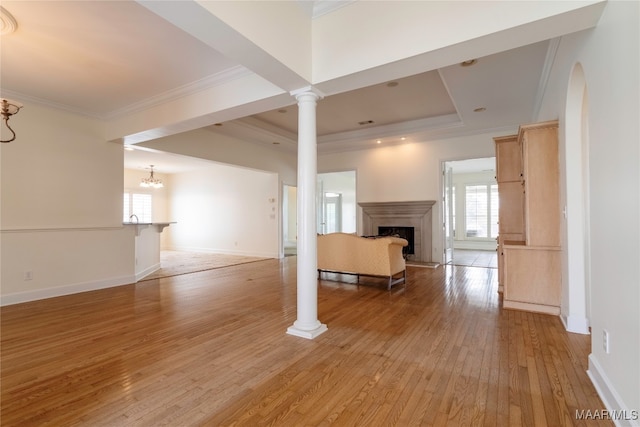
[402, 232]
[415, 214]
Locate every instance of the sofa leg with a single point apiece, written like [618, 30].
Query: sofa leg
[393, 281]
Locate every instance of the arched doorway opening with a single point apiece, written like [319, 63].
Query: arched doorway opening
[576, 275]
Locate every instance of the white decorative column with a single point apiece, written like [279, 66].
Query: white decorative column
[307, 325]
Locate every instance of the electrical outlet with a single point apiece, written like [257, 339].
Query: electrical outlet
[605, 341]
[28, 275]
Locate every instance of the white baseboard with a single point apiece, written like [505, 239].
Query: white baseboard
[577, 325]
[475, 245]
[147, 271]
[59, 291]
[225, 251]
[610, 397]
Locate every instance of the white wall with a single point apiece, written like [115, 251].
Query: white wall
[209, 145]
[609, 57]
[225, 150]
[408, 172]
[289, 214]
[160, 200]
[61, 213]
[345, 184]
[225, 209]
[160, 206]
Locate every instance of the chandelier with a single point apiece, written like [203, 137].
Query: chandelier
[8, 108]
[151, 181]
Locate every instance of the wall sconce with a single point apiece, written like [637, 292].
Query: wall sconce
[151, 181]
[8, 108]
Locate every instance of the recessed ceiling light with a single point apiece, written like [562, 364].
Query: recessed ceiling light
[365, 122]
[479, 110]
[468, 63]
[282, 111]
[218, 124]
[378, 142]
[392, 84]
[403, 138]
[275, 143]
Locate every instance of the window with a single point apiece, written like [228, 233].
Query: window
[138, 204]
[481, 211]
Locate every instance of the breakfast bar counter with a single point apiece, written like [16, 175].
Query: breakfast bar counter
[147, 246]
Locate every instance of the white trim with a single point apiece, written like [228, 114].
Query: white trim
[476, 245]
[607, 392]
[191, 88]
[20, 297]
[292, 330]
[224, 251]
[324, 7]
[147, 271]
[575, 324]
[544, 76]
[11, 229]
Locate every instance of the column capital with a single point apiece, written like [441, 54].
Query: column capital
[307, 90]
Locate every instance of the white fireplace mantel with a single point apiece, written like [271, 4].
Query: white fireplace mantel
[416, 214]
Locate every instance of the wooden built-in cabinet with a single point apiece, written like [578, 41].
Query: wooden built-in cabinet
[509, 175]
[529, 218]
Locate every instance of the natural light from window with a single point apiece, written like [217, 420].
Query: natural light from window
[481, 211]
[138, 204]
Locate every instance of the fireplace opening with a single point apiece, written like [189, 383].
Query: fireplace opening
[403, 232]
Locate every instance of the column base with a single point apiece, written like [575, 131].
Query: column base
[292, 330]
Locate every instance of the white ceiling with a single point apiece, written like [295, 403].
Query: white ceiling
[103, 58]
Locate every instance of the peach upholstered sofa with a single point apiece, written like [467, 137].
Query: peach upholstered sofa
[366, 256]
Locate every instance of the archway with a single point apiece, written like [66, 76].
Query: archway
[576, 265]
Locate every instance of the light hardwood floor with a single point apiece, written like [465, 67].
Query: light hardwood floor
[210, 349]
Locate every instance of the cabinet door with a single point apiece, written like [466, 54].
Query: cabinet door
[511, 211]
[532, 275]
[508, 158]
[541, 176]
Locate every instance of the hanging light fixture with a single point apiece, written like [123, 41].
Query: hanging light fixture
[151, 181]
[8, 108]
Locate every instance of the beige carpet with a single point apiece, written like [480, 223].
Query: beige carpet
[174, 263]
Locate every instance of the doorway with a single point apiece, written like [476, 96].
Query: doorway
[289, 219]
[469, 208]
[576, 287]
[336, 193]
[336, 208]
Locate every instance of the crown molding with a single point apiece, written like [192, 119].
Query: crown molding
[22, 97]
[182, 91]
[394, 129]
[170, 95]
[549, 60]
[324, 7]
